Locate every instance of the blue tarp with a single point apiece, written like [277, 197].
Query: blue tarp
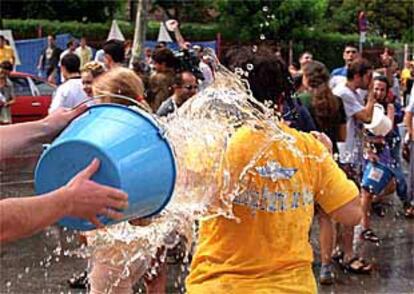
[29, 50]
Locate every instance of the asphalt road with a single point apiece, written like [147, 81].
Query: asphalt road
[32, 266]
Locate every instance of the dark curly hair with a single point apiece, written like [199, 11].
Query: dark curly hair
[268, 77]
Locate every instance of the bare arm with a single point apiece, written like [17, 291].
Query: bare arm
[35, 132]
[391, 112]
[177, 33]
[408, 118]
[81, 197]
[365, 115]
[342, 133]
[349, 214]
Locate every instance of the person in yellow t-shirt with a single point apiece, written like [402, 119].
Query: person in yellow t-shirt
[267, 250]
[6, 52]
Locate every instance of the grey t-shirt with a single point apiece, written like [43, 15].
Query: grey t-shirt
[353, 103]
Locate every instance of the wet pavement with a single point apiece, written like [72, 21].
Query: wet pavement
[32, 266]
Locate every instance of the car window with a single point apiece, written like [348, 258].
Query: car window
[21, 86]
[44, 88]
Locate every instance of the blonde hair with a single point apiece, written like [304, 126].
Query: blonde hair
[94, 67]
[119, 81]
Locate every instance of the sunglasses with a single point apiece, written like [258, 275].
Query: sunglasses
[190, 87]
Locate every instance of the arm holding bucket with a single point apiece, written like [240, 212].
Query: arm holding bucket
[81, 197]
[365, 115]
[17, 137]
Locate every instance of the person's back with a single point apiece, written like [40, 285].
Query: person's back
[268, 248]
[70, 93]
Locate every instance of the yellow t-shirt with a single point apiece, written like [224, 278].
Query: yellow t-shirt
[268, 250]
[7, 54]
[405, 75]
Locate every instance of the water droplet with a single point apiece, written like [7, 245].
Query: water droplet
[265, 8]
[262, 37]
[267, 23]
[254, 48]
[249, 66]
[27, 269]
[8, 284]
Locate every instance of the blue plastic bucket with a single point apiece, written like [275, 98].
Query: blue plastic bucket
[134, 156]
[376, 177]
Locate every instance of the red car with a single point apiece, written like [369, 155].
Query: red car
[33, 97]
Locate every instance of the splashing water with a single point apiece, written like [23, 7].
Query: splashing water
[200, 133]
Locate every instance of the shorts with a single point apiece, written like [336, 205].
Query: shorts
[376, 177]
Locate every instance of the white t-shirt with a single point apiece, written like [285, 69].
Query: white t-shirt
[353, 103]
[68, 95]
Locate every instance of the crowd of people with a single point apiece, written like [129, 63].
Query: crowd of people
[343, 190]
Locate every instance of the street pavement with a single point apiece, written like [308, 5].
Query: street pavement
[33, 265]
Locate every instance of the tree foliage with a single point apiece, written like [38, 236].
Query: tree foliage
[72, 10]
[187, 10]
[393, 18]
[269, 19]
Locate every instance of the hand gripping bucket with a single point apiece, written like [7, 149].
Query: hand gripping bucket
[380, 124]
[134, 155]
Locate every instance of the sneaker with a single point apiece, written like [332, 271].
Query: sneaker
[326, 275]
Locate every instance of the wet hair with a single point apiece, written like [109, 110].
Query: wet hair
[6, 65]
[115, 49]
[359, 66]
[71, 62]
[269, 78]
[325, 105]
[165, 55]
[94, 67]
[121, 81]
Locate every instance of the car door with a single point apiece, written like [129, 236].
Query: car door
[43, 92]
[23, 110]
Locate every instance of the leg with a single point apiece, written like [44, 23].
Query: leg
[158, 284]
[326, 234]
[366, 205]
[105, 278]
[347, 242]
[325, 237]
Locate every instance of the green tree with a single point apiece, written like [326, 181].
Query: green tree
[259, 19]
[393, 18]
[79, 10]
[200, 11]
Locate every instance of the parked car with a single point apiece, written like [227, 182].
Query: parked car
[33, 97]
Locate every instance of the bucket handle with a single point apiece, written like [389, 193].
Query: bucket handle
[129, 99]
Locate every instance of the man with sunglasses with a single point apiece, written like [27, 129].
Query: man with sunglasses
[185, 86]
[338, 75]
